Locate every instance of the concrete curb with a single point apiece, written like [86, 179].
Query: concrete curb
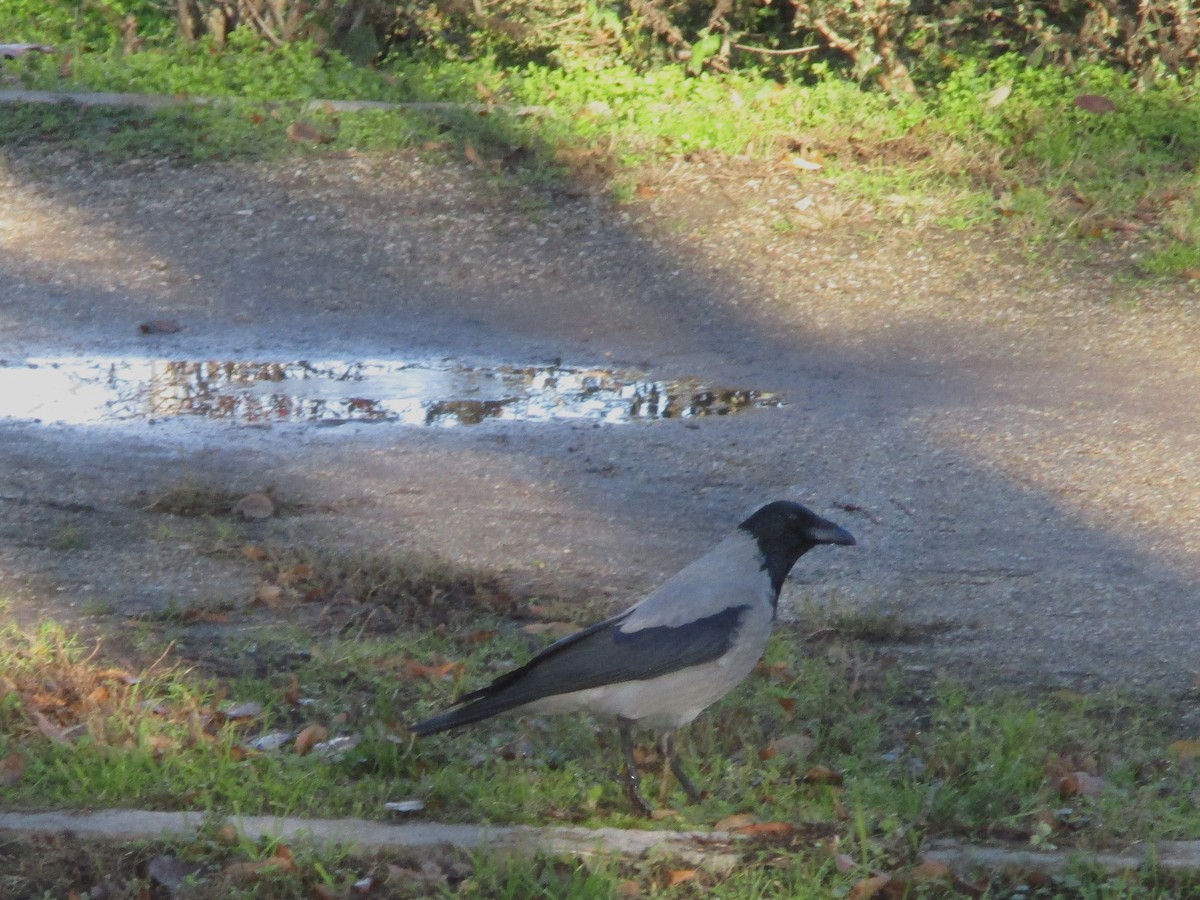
[161, 101]
[713, 849]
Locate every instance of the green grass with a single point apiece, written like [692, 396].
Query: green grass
[825, 736]
[999, 142]
[913, 760]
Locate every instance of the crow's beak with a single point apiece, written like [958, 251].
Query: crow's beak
[828, 533]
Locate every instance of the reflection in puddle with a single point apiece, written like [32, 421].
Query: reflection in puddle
[98, 391]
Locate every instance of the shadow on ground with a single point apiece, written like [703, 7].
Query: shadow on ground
[1010, 446]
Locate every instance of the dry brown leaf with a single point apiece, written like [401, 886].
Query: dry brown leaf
[301, 131]
[929, 871]
[477, 637]
[775, 672]
[551, 629]
[796, 745]
[292, 692]
[1080, 784]
[49, 729]
[208, 616]
[680, 876]
[472, 155]
[1184, 751]
[269, 595]
[310, 737]
[659, 814]
[869, 887]
[767, 829]
[787, 704]
[297, 574]
[445, 672]
[254, 553]
[1095, 103]
[323, 892]
[734, 822]
[645, 192]
[823, 775]
[629, 888]
[12, 768]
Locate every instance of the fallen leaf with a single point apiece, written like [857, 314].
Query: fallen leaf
[477, 637]
[306, 132]
[208, 616]
[869, 887]
[269, 595]
[1080, 784]
[629, 888]
[552, 629]
[798, 745]
[310, 737]
[1184, 751]
[929, 871]
[767, 829]
[12, 768]
[775, 671]
[445, 672]
[323, 892]
[679, 876]
[823, 775]
[292, 693]
[297, 574]
[999, 95]
[787, 704]
[472, 155]
[49, 729]
[1095, 103]
[246, 710]
[645, 192]
[254, 552]
[160, 326]
[734, 822]
[256, 505]
[659, 814]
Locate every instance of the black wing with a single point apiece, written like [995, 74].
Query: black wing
[599, 655]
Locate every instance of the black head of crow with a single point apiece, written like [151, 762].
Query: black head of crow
[679, 649]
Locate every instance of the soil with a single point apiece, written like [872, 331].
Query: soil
[1012, 439]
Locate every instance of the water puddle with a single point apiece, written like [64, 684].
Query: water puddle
[90, 391]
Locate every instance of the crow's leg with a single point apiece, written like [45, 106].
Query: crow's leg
[671, 758]
[632, 780]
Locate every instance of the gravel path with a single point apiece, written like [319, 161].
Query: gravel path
[1013, 443]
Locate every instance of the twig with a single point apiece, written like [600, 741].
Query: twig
[263, 28]
[765, 51]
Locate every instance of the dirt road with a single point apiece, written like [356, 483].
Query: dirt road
[1014, 444]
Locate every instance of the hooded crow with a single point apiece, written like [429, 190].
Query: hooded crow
[666, 658]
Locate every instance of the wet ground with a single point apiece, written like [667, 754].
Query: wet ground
[1013, 443]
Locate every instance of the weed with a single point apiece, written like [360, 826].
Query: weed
[69, 537]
